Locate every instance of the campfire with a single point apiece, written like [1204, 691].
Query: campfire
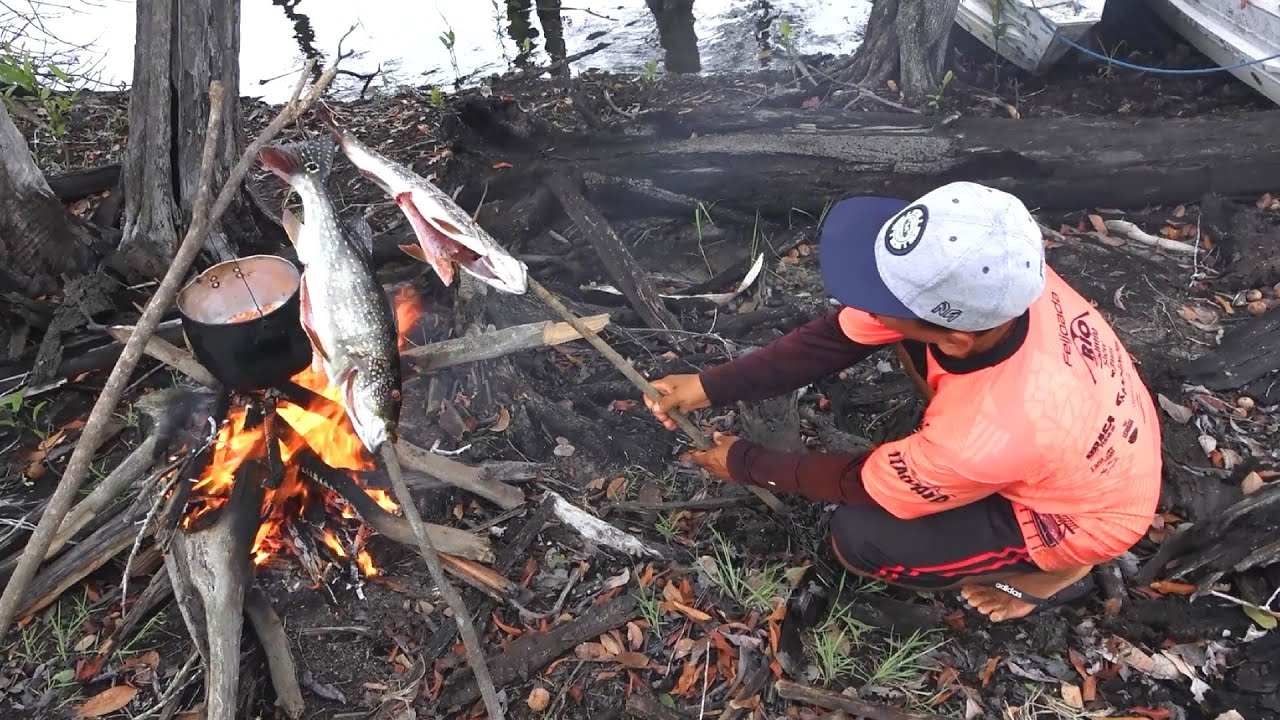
[290, 441]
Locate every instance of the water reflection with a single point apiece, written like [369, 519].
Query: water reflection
[490, 36]
[677, 35]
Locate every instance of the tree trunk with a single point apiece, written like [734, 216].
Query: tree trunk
[181, 47]
[775, 160]
[676, 34]
[906, 41]
[38, 240]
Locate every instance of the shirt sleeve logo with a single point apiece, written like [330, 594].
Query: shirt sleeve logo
[905, 230]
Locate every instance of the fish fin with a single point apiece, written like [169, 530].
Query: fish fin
[426, 234]
[292, 225]
[414, 251]
[310, 158]
[304, 304]
[362, 235]
[445, 227]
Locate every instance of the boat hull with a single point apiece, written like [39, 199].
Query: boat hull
[1229, 34]
[1029, 34]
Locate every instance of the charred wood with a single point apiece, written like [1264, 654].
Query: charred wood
[775, 160]
[210, 570]
[78, 184]
[860, 708]
[496, 343]
[454, 473]
[512, 553]
[531, 652]
[625, 272]
[270, 631]
[1248, 358]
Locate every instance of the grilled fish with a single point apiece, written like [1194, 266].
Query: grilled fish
[345, 311]
[447, 235]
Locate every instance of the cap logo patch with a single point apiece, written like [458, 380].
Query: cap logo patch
[946, 312]
[905, 231]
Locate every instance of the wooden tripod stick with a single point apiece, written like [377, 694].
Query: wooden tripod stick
[624, 367]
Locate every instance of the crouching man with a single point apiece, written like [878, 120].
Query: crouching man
[1039, 453]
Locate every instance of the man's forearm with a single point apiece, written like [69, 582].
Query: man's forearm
[824, 477]
[807, 354]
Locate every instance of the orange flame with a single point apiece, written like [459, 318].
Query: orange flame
[408, 311]
[327, 431]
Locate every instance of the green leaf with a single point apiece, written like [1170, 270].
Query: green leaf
[667, 700]
[1265, 620]
[64, 677]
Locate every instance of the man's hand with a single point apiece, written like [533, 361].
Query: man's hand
[716, 460]
[679, 392]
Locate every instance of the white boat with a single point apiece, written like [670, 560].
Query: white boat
[1231, 32]
[1028, 32]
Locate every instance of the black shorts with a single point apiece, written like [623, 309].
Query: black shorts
[934, 551]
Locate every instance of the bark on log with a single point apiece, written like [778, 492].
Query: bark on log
[181, 48]
[210, 570]
[38, 240]
[775, 160]
[497, 343]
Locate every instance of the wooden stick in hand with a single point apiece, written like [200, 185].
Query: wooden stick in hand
[682, 421]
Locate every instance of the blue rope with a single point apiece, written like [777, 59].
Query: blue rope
[1146, 68]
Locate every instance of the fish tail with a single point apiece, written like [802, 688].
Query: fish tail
[311, 159]
[326, 117]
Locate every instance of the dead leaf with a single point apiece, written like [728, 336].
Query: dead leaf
[108, 701]
[1179, 211]
[538, 699]
[646, 577]
[690, 677]
[613, 647]
[893, 86]
[633, 660]
[1171, 232]
[1264, 202]
[591, 651]
[1089, 691]
[692, 613]
[87, 670]
[150, 659]
[1153, 713]
[1072, 696]
[504, 420]
[989, 670]
[618, 580]
[671, 593]
[1251, 483]
[616, 488]
[1169, 587]
[812, 102]
[624, 405]
[501, 165]
[1013, 112]
[1099, 225]
[1199, 317]
[1180, 414]
[635, 636]
[85, 643]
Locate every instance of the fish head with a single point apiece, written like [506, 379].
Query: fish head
[371, 393]
[500, 271]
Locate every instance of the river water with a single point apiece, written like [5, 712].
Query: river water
[407, 38]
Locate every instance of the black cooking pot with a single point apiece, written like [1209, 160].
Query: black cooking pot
[242, 321]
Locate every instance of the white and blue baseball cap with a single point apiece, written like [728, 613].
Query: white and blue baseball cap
[963, 256]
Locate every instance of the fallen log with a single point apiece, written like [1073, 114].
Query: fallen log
[775, 160]
[497, 343]
[210, 570]
[270, 631]
[859, 708]
[1247, 359]
[531, 652]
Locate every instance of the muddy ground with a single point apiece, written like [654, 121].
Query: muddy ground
[723, 573]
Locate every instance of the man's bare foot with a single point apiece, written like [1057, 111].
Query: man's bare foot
[1001, 605]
